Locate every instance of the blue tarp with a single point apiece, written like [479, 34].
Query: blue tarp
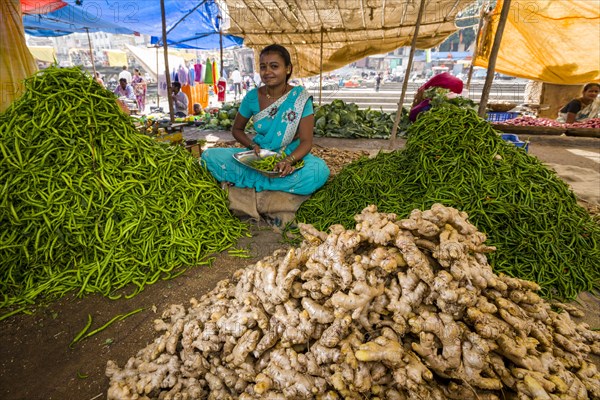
[445, 55]
[70, 19]
[192, 24]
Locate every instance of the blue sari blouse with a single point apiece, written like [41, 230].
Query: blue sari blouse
[276, 127]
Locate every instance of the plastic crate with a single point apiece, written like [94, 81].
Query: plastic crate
[493, 116]
[514, 139]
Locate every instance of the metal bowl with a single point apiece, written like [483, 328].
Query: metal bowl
[247, 157]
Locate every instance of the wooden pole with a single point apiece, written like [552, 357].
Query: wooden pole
[482, 17]
[91, 52]
[220, 19]
[166, 54]
[321, 69]
[489, 78]
[157, 82]
[413, 45]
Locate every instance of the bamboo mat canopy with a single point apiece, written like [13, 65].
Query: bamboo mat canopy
[352, 29]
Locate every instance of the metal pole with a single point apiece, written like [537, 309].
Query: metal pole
[492, 59]
[413, 45]
[482, 17]
[321, 69]
[91, 51]
[166, 53]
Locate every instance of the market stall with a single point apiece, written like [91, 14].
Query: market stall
[436, 271]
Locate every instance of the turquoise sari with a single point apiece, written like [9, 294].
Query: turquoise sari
[276, 127]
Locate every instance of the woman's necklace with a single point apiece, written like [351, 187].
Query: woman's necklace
[273, 97]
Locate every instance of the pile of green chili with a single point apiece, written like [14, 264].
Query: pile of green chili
[267, 163]
[270, 162]
[89, 204]
[455, 158]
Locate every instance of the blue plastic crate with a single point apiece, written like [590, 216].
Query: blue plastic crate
[514, 139]
[494, 116]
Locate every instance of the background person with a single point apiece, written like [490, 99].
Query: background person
[125, 74]
[180, 100]
[256, 79]
[139, 88]
[444, 80]
[236, 78]
[124, 89]
[283, 119]
[582, 108]
[378, 82]
[197, 109]
[99, 79]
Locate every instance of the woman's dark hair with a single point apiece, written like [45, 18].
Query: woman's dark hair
[590, 85]
[282, 51]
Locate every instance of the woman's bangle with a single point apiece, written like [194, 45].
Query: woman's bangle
[292, 159]
[251, 146]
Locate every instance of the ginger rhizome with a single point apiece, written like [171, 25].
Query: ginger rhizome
[393, 309]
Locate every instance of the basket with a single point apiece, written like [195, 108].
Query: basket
[501, 107]
[584, 132]
[501, 116]
[530, 130]
[514, 139]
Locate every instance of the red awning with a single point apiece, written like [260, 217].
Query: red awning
[41, 6]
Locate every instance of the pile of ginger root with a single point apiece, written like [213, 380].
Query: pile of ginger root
[393, 309]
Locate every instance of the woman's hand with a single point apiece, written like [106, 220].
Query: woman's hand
[285, 167]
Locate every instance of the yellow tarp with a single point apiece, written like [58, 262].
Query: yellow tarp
[16, 62]
[554, 41]
[116, 58]
[183, 54]
[43, 53]
[352, 29]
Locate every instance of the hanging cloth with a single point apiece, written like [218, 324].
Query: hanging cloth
[192, 76]
[215, 76]
[16, 61]
[162, 85]
[198, 70]
[182, 72]
[208, 75]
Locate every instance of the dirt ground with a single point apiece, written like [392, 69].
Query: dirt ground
[36, 362]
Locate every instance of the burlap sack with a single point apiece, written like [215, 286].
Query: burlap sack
[277, 208]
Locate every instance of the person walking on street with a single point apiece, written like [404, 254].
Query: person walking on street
[236, 77]
[377, 82]
[125, 74]
[247, 83]
[256, 79]
[139, 88]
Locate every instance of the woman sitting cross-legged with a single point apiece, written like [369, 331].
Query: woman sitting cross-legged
[284, 121]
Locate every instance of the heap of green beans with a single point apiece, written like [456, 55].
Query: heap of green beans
[89, 204]
[455, 158]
